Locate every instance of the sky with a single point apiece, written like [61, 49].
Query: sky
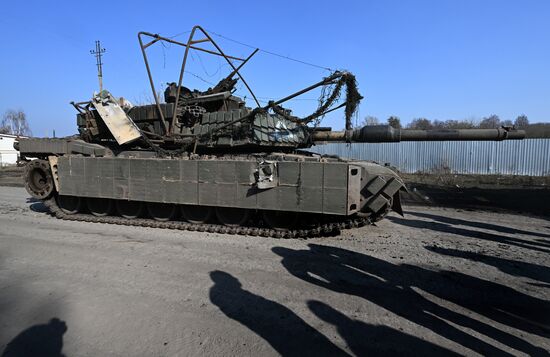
[439, 59]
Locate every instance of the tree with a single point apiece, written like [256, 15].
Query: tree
[521, 121]
[439, 124]
[394, 122]
[507, 122]
[490, 122]
[458, 124]
[15, 123]
[420, 124]
[370, 120]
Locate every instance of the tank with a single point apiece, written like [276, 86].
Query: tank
[204, 160]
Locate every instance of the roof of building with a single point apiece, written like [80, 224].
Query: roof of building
[12, 136]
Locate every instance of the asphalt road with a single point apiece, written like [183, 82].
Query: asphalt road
[437, 282]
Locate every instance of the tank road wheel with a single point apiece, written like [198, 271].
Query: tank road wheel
[69, 204]
[232, 217]
[129, 209]
[196, 214]
[39, 179]
[280, 220]
[161, 211]
[99, 206]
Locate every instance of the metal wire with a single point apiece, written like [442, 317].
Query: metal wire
[273, 53]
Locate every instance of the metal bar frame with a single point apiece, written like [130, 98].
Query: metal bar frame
[207, 38]
[189, 45]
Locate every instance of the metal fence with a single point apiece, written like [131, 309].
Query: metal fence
[529, 157]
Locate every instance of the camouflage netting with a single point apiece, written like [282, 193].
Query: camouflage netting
[328, 98]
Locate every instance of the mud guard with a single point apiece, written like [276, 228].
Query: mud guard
[396, 204]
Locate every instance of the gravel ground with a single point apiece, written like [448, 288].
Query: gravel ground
[439, 281]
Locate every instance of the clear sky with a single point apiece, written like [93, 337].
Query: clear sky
[440, 59]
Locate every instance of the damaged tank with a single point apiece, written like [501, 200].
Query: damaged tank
[203, 160]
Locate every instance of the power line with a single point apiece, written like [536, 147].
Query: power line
[272, 53]
[200, 78]
[179, 34]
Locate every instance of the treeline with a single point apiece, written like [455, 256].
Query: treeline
[535, 130]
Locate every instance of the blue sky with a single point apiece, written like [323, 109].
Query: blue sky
[427, 58]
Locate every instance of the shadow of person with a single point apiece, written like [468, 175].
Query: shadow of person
[39, 207]
[44, 340]
[396, 289]
[509, 266]
[366, 340]
[285, 331]
[475, 224]
[469, 233]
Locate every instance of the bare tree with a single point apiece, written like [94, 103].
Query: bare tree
[370, 120]
[458, 124]
[394, 122]
[15, 122]
[439, 124]
[420, 124]
[490, 122]
[521, 121]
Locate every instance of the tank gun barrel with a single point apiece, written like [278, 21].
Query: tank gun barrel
[388, 134]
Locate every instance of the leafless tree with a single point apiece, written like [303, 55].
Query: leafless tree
[15, 122]
[394, 122]
[370, 120]
[454, 124]
[490, 122]
[507, 122]
[522, 121]
[421, 124]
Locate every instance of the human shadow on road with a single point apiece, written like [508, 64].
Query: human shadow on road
[394, 287]
[372, 340]
[475, 224]
[469, 233]
[509, 266]
[285, 331]
[44, 340]
[39, 207]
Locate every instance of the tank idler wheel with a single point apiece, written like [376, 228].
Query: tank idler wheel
[99, 206]
[39, 179]
[161, 211]
[232, 217]
[280, 220]
[129, 209]
[69, 204]
[196, 214]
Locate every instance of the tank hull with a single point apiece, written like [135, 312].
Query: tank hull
[313, 187]
[300, 184]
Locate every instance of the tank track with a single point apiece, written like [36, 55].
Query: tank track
[325, 229]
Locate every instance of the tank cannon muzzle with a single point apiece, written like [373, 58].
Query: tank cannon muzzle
[388, 134]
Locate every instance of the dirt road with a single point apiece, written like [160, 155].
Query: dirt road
[439, 281]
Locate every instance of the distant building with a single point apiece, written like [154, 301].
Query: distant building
[8, 155]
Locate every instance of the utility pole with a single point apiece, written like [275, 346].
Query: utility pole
[98, 52]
